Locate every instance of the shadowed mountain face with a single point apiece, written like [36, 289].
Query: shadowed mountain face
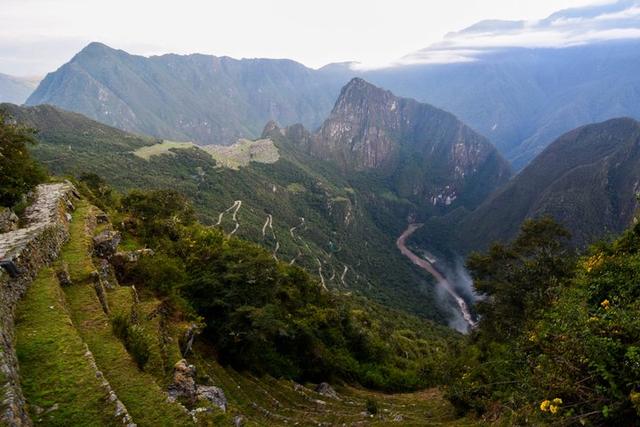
[587, 180]
[199, 98]
[426, 154]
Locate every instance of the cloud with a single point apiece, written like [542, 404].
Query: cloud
[571, 27]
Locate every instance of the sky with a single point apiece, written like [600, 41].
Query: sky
[38, 36]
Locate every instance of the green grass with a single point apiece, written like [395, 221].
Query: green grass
[53, 367]
[164, 147]
[138, 390]
[270, 401]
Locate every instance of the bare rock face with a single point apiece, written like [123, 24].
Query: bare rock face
[428, 154]
[106, 243]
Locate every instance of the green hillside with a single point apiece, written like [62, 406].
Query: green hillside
[347, 236]
[587, 180]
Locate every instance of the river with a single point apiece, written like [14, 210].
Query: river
[441, 280]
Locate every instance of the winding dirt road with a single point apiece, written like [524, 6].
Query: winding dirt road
[425, 265]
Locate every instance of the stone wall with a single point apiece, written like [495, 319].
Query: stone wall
[30, 248]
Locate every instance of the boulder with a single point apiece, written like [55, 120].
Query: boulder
[106, 243]
[184, 387]
[184, 383]
[123, 260]
[214, 395]
[324, 389]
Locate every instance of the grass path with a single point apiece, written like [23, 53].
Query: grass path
[138, 390]
[54, 369]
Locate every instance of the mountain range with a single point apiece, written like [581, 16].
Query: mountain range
[521, 96]
[199, 98]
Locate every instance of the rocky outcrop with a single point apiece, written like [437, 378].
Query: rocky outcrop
[214, 395]
[27, 249]
[427, 153]
[106, 243]
[184, 387]
[184, 383]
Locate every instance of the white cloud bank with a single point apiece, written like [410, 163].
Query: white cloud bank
[572, 27]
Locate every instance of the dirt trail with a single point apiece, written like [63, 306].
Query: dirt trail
[269, 223]
[235, 207]
[425, 265]
[344, 274]
[320, 274]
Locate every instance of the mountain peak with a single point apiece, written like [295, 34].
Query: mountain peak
[372, 129]
[96, 50]
[96, 47]
[359, 85]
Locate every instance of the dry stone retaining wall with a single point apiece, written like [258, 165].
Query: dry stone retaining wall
[30, 248]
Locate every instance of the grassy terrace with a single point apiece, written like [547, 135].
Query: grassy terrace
[52, 363]
[138, 390]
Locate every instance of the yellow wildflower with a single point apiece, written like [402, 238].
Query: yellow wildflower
[605, 304]
[554, 409]
[557, 401]
[593, 262]
[544, 406]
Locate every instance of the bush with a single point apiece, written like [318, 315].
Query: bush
[160, 273]
[119, 326]
[138, 345]
[133, 337]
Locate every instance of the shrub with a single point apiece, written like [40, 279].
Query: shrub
[138, 345]
[119, 326]
[133, 337]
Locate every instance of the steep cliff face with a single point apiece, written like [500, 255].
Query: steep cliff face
[426, 153]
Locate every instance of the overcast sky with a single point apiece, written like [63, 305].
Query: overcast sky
[37, 36]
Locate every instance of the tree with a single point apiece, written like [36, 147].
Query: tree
[19, 173]
[518, 279]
